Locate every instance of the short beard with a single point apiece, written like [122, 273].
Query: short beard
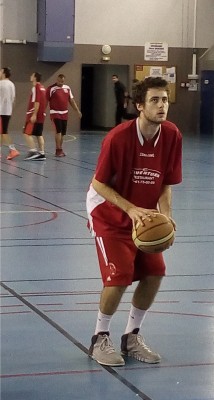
[153, 122]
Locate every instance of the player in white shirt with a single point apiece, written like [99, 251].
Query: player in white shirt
[7, 93]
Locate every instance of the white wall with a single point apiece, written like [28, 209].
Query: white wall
[205, 23]
[1, 19]
[120, 22]
[19, 20]
[133, 22]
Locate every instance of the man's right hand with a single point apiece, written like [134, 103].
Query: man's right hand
[139, 214]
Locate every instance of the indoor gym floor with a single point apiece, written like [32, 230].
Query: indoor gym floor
[51, 284]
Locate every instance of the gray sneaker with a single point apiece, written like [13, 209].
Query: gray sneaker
[102, 350]
[132, 345]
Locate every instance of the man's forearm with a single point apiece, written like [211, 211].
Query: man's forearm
[165, 201]
[111, 195]
[74, 105]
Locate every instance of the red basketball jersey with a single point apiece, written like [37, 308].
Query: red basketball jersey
[38, 94]
[58, 97]
[136, 169]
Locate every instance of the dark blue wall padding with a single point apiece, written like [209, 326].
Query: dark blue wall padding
[56, 30]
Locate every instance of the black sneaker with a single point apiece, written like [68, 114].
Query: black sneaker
[31, 155]
[39, 157]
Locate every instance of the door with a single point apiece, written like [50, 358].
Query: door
[207, 103]
[97, 95]
[87, 97]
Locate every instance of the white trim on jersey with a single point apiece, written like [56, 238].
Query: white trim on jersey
[30, 111]
[93, 199]
[140, 135]
[33, 99]
[64, 87]
[58, 112]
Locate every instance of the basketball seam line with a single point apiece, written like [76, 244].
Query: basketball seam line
[153, 243]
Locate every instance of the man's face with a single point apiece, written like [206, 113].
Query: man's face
[60, 81]
[32, 77]
[114, 79]
[156, 106]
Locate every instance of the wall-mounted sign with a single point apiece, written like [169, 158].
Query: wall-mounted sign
[156, 51]
[167, 73]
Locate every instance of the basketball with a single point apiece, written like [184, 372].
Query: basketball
[154, 236]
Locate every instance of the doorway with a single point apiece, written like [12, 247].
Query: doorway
[207, 103]
[97, 95]
[87, 97]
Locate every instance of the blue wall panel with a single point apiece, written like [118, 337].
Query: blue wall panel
[56, 30]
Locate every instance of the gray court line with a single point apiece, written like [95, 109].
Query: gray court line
[23, 169]
[70, 163]
[9, 173]
[114, 373]
[55, 205]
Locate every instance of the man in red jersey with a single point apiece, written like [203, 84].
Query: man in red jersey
[138, 163]
[35, 118]
[59, 97]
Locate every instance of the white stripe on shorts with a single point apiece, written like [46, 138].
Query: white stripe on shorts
[102, 248]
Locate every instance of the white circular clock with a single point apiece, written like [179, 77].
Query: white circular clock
[106, 49]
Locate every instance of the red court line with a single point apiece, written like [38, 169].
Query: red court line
[95, 310]
[51, 373]
[203, 302]
[128, 302]
[86, 293]
[49, 304]
[12, 305]
[152, 312]
[15, 312]
[53, 217]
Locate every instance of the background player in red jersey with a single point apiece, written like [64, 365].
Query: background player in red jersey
[35, 118]
[138, 163]
[59, 97]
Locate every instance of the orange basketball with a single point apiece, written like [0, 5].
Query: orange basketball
[154, 236]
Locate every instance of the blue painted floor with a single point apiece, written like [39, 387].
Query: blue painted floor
[51, 284]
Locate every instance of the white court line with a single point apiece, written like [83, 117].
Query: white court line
[70, 140]
[19, 212]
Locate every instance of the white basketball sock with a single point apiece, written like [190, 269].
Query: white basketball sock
[103, 322]
[136, 317]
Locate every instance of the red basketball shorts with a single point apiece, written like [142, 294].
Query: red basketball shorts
[121, 263]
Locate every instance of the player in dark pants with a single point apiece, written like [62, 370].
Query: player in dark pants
[122, 98]
[59, 96]
[60, 126]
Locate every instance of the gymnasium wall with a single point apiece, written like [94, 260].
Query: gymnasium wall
[120, 22]
[126, 29]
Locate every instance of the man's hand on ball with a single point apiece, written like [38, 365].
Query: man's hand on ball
[138, 215]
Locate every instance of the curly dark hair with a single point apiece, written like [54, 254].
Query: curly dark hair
[140, 88]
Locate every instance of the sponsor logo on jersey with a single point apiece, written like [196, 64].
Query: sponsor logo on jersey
[147, 155]
[145, 176]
